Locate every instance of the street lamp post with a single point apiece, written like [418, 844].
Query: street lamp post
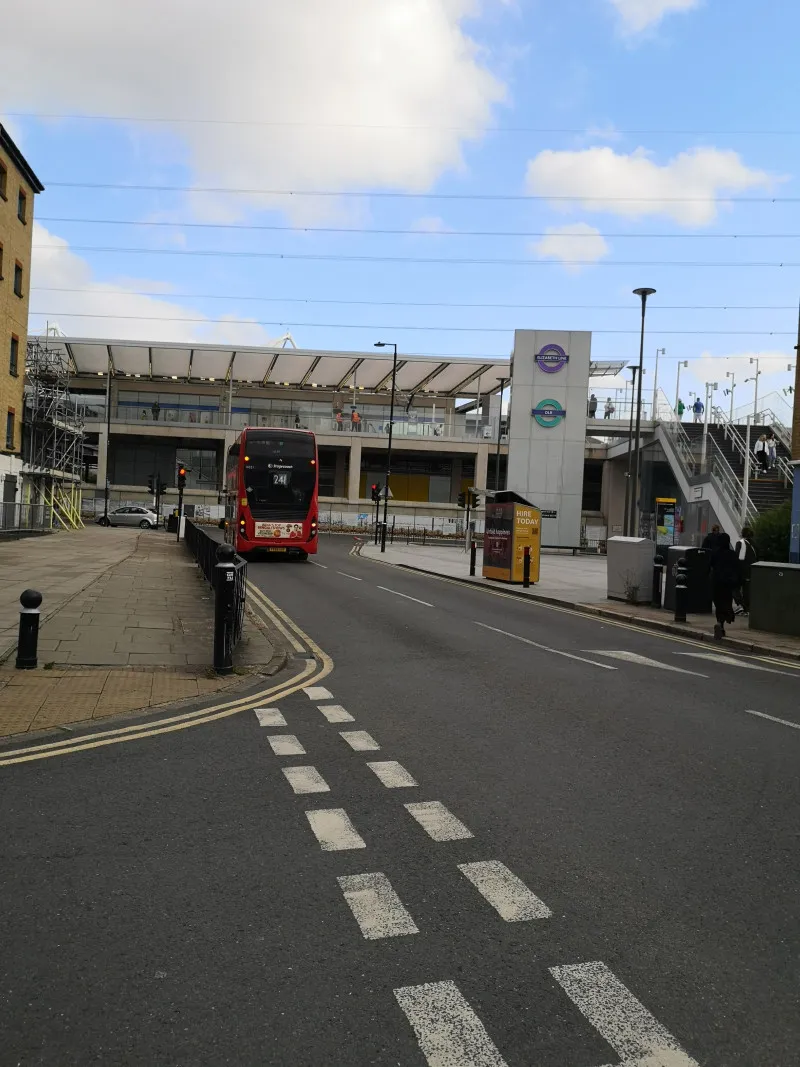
[757, 362]
[730, 374]
[108, 440]
[625, 524]
[659, 352]
[643, 293]
[503, 382]
[681, 363]
[386, 344]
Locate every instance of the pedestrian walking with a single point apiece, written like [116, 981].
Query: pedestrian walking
[724, 580]
[698, 408]
[155, 410]
[747, 556]
[609, 409]
[762, 455]
[711, 540]
[339, 421]
[681, 409]
[297, 422]
[772, 450]
[592, 406]
[355, 421]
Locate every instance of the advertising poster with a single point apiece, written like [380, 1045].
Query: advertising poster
[498, 541]
[527, 534]
[665, 520]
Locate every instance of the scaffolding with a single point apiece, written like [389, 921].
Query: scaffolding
[53, 432]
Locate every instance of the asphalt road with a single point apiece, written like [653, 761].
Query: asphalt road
[628, 892]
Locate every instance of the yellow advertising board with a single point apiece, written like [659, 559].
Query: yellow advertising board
[527, 534]
[511, 526]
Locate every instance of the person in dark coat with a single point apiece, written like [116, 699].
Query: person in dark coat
[711, 539]
[747, 556]
[725, 579]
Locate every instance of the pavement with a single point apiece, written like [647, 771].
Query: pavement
[134, 631]
[579, 582]
[491, 831]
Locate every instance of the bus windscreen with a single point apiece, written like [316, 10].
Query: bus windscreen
[279, 474]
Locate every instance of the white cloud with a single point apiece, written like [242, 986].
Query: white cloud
[688, 189]
[364, 94]
[122, 313]
[577, 241]
[430, 224]
[638, 15]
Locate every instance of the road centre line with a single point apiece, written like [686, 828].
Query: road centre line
[624, 1022]
[335, 713]
[318, 692]
[360, 740]
[508, 895]
[645, 661]
[438, 822]
[378, 910]
[392, 774]
[449, 1032]
[334, 831]
[269, 717]
[405, 596]
[545, 648]
[286, 745]
[306, 780]
[321, 566]
[344, 574]
[772, 718]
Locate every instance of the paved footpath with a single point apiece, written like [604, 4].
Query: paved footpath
[132, 628]
[580, 582]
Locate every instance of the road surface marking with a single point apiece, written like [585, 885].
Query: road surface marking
[510, 897]
[377, 908]
[406, 596]
[335, 713]
[318, 692]
[306, 780]
[263, 603]
[344, 574]
[334, 831]
[437, 822]
[783, 722]
[732, 661]
[286, 745]
[270, 717]
[321, 566]
[360, 740]
[633, 657]
[545, 648]
[449, 1032]
[636, 1037]
[392, 774]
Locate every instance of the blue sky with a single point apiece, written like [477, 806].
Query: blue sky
[624, 100]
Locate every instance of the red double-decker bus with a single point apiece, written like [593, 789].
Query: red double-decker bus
[273, 486]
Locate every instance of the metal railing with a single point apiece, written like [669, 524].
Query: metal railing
[24, 520]
[734, 435]
[227, 575]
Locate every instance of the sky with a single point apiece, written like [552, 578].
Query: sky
[435, 173]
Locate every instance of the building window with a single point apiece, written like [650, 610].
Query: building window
[10, 429]
[22, 206]
[18, 278]
[13, 362]
[3, 180]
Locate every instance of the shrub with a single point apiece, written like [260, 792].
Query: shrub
[771, 533]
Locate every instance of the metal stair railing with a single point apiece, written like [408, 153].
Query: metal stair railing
[733, 434]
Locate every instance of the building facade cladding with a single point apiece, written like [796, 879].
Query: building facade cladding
[18, 187]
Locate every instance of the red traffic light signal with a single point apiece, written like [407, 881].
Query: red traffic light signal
[181, 477]
[376, 492]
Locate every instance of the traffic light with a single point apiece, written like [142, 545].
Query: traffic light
[181, 478]
[462, 500]
[474, 501]
[376, 492]
[151, 483]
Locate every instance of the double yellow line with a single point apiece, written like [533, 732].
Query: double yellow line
[314, 671]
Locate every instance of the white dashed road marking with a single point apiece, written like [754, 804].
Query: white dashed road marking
[270, 717]
[306, 780]
[636, 1037]
[732, 661]
[510, 897]
[321, 566]
[405, 596]
[318, 692]
[545, 648]
[392, 774]
[360, 740]
[286, 745]
[633, 657]
[344, 574]
[377, 908]
[772, 718]
[438, 822]
[334, 831]
[449, 1032]
[335, 713]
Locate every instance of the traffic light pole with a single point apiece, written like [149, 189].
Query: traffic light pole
[180, 513]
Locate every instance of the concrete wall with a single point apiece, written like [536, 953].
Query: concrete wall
[546, 462]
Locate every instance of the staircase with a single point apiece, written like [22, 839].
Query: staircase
[765, 491]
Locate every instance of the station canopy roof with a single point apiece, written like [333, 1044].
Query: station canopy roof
[454, 376]
[293, 367]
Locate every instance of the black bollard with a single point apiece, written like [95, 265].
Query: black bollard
[681, 590]
[224, 606]
[658, 570]
[473, 551]
[28, 630]
[526, 568]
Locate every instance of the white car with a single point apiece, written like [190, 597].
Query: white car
[131, 515]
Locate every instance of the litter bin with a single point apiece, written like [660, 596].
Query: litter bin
[775, 598]
[172, 522]
[698, 579]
